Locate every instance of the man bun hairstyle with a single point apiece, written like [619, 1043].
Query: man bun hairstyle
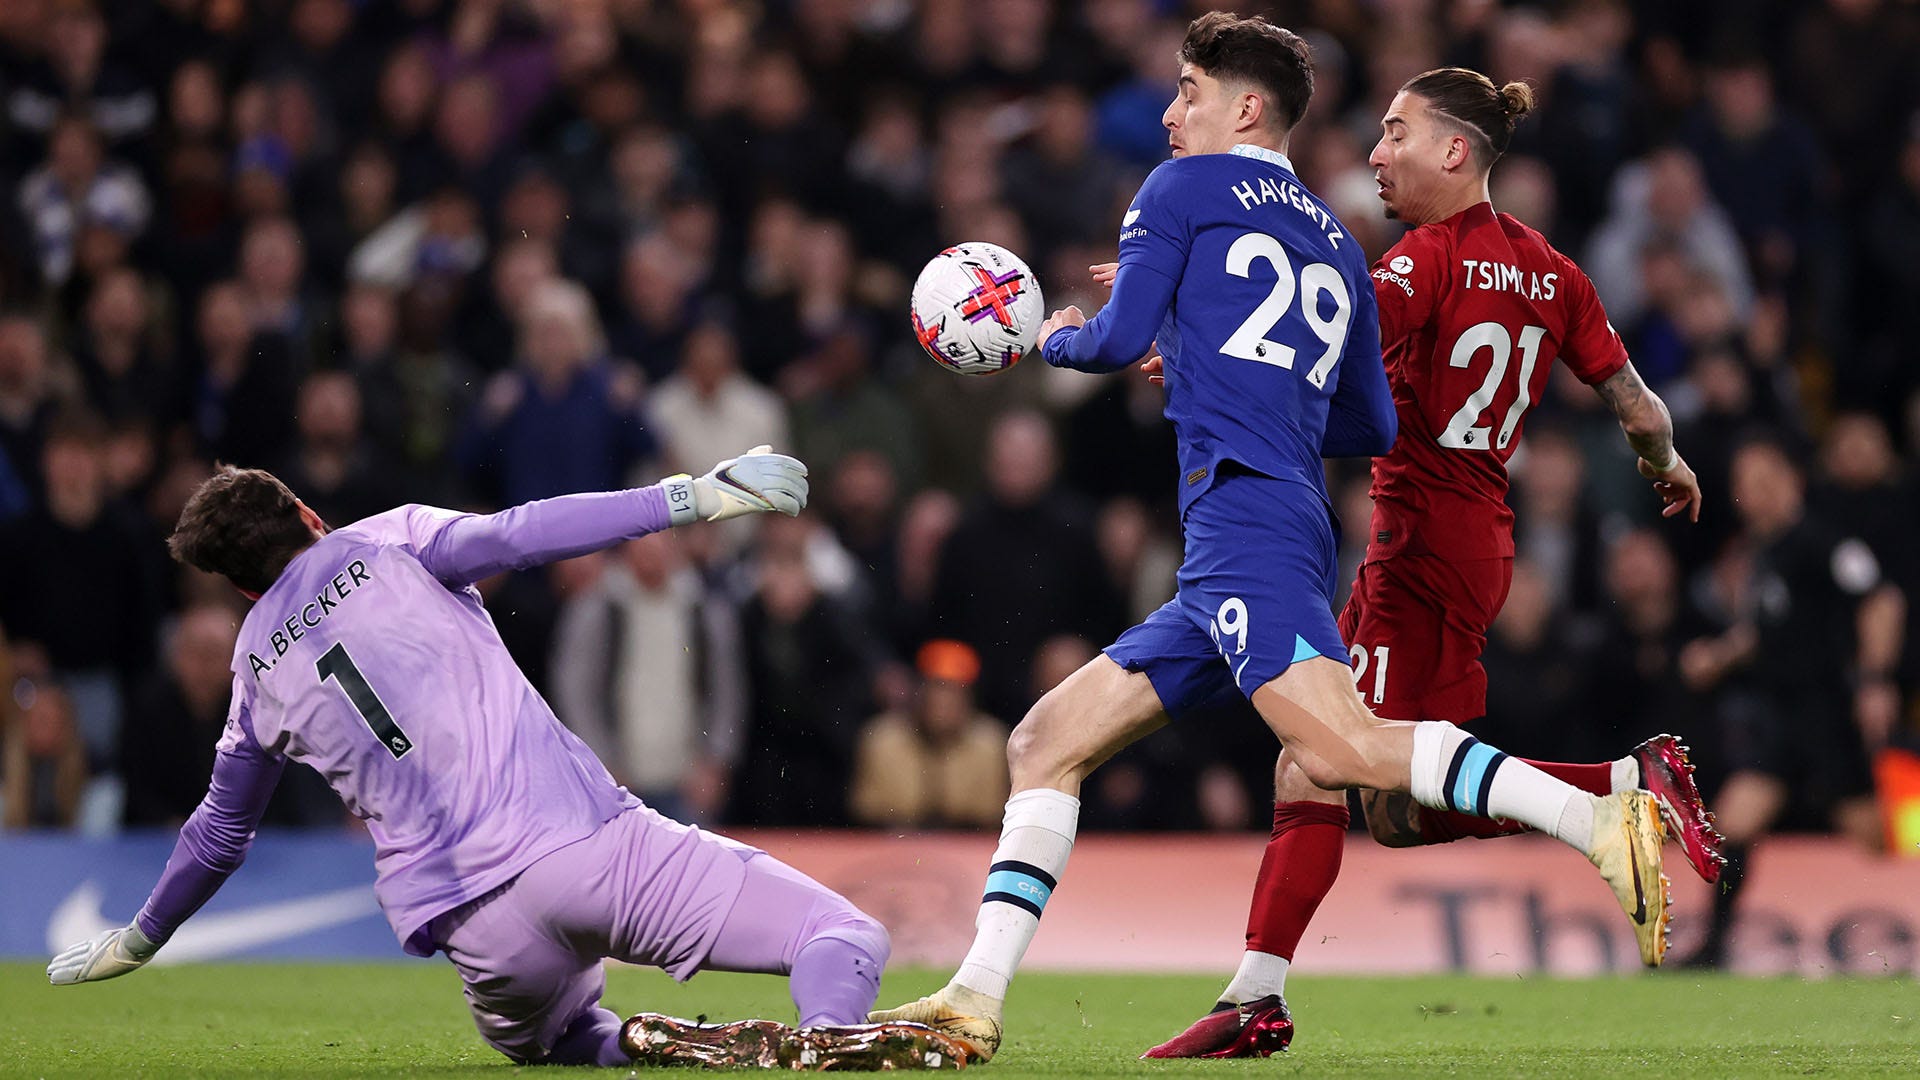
[1486, 114]
[242, 524]
[1253, 51]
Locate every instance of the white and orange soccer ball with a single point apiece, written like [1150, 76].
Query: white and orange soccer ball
[976, 308]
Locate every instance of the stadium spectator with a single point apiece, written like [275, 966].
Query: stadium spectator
[1553, 527]
[1633, 686]
[1815, 646]
[44, 773]
[1021, 565]
[75, 75]
[273, 272]
[1063, 186]
[567, 419]
[839, 408]
[1764, 166]
[708, 408]
[657, 281]
[647, 670]
[247, 381]
[1663, 199]
[121, 367]
[175, 718]
[27, 403]
[941, 763]
[77, 192]
[1537, 665]
[810, 666]
[339, 472]
[76, 582]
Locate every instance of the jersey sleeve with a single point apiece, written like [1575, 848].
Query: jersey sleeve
[215, 840]
[1155, 233]
[1361, 419]
[1592, 348]
[1119, 333]
[1406, 281]
[460, 549]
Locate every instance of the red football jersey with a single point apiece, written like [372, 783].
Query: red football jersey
[1473, 311]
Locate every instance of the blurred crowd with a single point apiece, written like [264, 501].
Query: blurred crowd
[475, 252]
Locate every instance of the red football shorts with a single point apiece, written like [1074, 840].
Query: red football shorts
[1415, 626]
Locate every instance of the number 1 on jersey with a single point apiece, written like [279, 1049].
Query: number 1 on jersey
[337, 665]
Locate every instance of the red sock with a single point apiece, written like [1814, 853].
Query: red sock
[1299, 868]
[1445, 826]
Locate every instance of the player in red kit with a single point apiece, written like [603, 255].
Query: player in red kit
[1474, 309]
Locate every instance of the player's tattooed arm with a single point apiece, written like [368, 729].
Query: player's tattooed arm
[1643, 416]
[1649, 430]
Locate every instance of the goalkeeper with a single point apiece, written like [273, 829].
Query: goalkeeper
[499, 838]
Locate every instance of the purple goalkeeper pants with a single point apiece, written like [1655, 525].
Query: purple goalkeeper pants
[646, 889]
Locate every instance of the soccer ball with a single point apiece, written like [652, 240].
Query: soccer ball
[976, 308]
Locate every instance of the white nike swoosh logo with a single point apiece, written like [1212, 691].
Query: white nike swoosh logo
[207, 937]
[1129, 219]
[1236, 671]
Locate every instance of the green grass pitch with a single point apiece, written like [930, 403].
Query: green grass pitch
[324, 1020]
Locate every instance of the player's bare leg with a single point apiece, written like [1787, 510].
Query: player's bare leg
[1312, 706]
[656, 1040]
[1095, 713]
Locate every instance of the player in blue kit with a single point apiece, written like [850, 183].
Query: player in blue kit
[1264, 315]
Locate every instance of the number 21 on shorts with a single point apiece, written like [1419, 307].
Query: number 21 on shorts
[1378, 662]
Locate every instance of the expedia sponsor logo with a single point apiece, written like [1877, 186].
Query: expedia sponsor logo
[1384, 274]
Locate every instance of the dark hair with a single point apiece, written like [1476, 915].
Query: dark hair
[1253, 50]
[1485, 113]
[241, 524]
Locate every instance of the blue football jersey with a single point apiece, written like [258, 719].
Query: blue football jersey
[1271, 301]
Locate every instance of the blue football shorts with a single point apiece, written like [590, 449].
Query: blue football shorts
[1256, 596]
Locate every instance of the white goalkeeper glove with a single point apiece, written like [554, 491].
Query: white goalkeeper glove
[756, 481]
[111, 954]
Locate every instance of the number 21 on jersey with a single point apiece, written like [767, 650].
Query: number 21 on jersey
[1464, 431]
[1378, 662]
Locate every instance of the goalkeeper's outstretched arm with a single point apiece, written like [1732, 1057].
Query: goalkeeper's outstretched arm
[212, 845]
[462, 548]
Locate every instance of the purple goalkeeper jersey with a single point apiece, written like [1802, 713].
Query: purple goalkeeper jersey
[372, 659]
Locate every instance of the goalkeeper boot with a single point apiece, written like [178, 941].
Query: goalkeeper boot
[1627, 834]
[1255, 1028]
[873, 1047]
[653, 1039]
[1666, 772]
[968, 1016]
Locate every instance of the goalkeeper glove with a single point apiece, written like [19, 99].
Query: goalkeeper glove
[107, 956]
[756, 481]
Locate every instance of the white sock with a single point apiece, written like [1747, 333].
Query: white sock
[1036, 836]
[1626, 774]
[1455, 771]
[1260, 974]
